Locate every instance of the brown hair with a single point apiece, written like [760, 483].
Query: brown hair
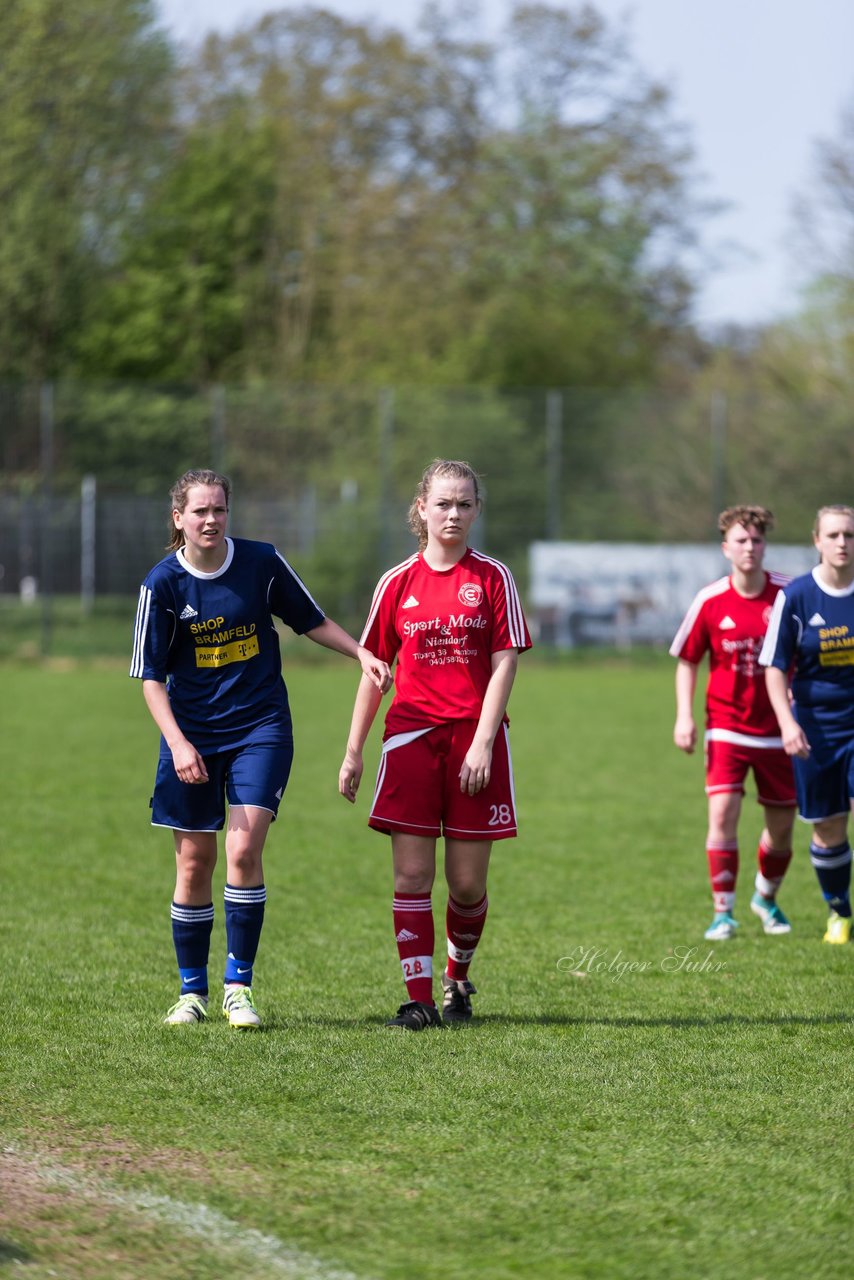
[836, 509]
[751, 517]
[178, 498]
[439, 467]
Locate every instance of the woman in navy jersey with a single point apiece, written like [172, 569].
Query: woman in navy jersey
[207, 652]
[811, 635]
[452, 618]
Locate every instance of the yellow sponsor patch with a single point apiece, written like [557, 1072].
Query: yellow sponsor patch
[837, 658]
[237, 651]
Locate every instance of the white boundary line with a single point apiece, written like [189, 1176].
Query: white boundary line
[200, 1220]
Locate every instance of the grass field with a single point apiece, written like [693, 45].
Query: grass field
[631, 1101]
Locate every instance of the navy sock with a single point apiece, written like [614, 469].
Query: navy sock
[191, 933]
[244, 916]
[833, 868]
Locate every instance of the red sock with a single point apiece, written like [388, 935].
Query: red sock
[464, 926]
[723, 872]
[413, 928]
[773, 864]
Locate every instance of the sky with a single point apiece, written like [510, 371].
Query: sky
[757, 83]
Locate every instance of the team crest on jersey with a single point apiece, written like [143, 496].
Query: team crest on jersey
[188, 612]
[470, 594]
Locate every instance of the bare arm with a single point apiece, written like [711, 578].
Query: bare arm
[476, 769]
[368, 699]
[795, 741]
[685, 730]
[331, 636]
[189, 765]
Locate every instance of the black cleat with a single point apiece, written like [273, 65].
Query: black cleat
[456, 1002]
[415, 1016]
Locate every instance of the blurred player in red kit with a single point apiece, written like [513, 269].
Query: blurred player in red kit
[452, 619]
[728, 620]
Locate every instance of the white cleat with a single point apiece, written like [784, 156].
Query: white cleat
[239, 1007]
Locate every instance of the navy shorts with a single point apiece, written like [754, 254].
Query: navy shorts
[825, 780]
[255, 775]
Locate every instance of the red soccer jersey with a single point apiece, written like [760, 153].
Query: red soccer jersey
[731, 628]
[443, 626]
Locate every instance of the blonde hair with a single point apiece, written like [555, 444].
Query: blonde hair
[836, 509]
[751, 517]
[439, 467]
[178, 498]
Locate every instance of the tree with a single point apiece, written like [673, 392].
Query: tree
[348, 205]
[83, 105]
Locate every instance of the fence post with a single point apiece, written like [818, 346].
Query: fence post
[554, 463]
[46, 431]
[718, 426]
[218, 428]
[88, 490]
[384, 473]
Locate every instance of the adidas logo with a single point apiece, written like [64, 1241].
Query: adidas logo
[468, 937]
[406, 936]
[411, 603]
[816, 621]
[189, 612]
[724, 877]
[726, 624]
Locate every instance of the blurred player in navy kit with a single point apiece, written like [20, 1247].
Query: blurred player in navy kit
[728, 620]
[451, 617]
[811, 634]
[207, 652]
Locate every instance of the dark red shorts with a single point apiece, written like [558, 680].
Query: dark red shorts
[728, 764]
[418, 786]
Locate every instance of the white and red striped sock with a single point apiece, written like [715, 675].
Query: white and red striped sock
[723, 873]
[415, 936]
[464, 926]
[773, 865]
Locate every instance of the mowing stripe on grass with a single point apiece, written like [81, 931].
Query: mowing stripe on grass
[194, 1219]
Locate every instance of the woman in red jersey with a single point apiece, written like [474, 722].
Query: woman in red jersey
[452, 618]
[728, 620]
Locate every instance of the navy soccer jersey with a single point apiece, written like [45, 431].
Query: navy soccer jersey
[811, 632]
[211, 639]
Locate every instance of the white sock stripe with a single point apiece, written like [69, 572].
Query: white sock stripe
[819, 860]
[417, 904]
[470, 913]
[191, 915]
[245, 896]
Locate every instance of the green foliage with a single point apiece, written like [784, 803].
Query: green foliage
[591, 1113]
[83, 96]
[330, 201]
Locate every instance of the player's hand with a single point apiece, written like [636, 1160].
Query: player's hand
[350, 775]
[476, 769]
[685, 735]
[378, 672]
[189, 765]
[795, 741]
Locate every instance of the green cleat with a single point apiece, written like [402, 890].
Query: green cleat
[722, 927]
[838, 928]
[773, 920]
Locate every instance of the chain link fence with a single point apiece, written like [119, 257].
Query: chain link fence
[327, 474]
